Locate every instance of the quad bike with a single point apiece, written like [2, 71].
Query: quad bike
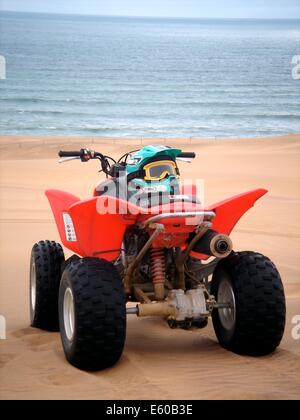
[144, 245]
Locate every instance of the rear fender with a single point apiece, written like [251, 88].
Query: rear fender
[60, 202]
[230, 211]
[97, 235]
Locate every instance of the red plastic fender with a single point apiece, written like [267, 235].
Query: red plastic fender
[97, 235]
[229, 212]
[60, 202]
[101, 234]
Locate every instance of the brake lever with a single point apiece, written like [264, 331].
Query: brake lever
[67, 159]
[187, 160]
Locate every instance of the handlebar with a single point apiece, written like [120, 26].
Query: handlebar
[85, 155]
[90, 154]
[63, 154]
[187, 155]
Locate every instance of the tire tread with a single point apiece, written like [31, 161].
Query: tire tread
[49, 257]
[260, 300]
[100, 310]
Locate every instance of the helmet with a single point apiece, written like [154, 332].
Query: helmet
[153, 169]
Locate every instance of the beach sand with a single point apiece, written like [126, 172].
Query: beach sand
[158, 362]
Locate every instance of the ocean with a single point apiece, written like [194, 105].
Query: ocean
[133, 77]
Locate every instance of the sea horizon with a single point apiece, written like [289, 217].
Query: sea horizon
[149, 17]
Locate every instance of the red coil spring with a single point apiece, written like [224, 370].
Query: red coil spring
[158, 265]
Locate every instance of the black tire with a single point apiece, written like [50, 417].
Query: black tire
[257, 325]
[97, 336]
[46, 261]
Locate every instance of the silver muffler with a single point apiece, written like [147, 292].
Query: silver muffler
[214, 244]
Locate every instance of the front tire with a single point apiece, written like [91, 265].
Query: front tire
[92, 314]
[254, 324]
[47, 258]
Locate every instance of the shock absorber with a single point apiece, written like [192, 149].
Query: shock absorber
[158, 269]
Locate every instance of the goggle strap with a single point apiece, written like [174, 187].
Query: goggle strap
[137, 174]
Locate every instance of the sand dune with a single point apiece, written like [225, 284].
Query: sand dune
[157, 362]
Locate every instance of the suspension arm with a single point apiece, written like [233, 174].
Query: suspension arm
[183, 256]
[135, 263]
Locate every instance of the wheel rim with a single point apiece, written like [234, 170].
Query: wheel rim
[69, 313]
[226, 297]
[33, 286]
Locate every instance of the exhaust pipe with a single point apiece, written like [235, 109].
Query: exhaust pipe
[214, 244]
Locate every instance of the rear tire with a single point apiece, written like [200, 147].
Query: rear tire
[46, 261]
[255, 323]
[92, 314]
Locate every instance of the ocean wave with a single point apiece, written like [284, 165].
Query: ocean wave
[150, 107]
[159, 114]
[73, 94]
[33, 100]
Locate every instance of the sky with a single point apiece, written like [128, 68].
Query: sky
[163, 8]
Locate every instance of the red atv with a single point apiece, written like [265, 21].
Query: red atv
[144, 237]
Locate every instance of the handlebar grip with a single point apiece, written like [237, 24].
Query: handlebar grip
[187, 155]
[70, 154]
